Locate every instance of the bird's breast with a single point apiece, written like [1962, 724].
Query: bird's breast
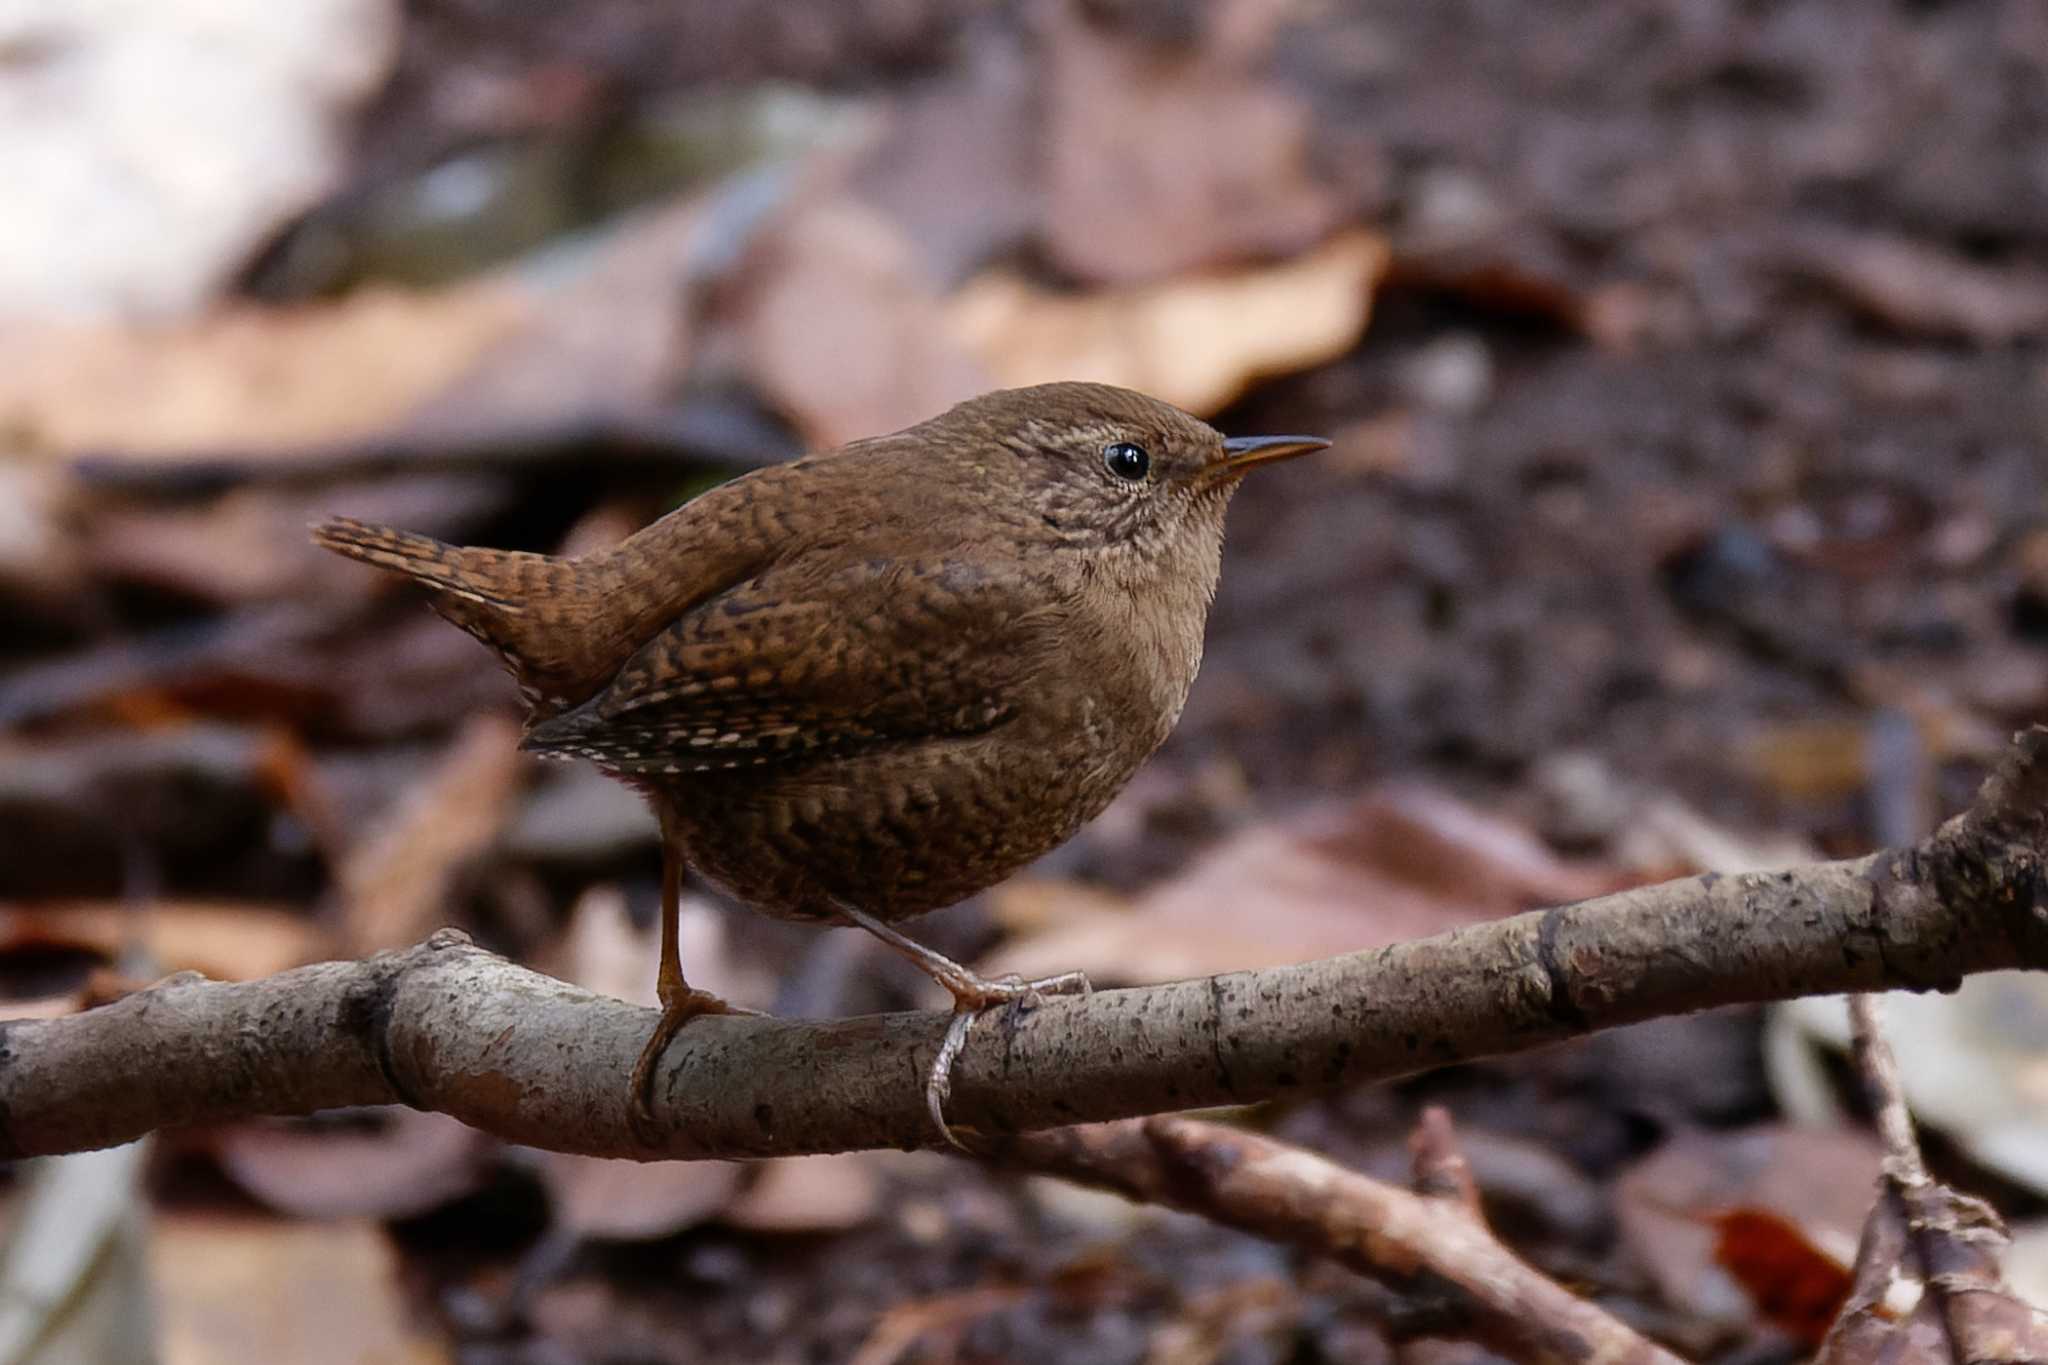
[908, 827]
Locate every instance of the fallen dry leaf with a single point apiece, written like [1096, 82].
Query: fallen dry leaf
[1400, 863]
[635, 1200]
[1816, 1181]
[1197, 341]
[1796, 1286]
[281, 663]
[607, 327]
[603, 950]
[250, 544]
[980, 126]
[1823, 760]
[830, 1193]
[2026, 1260]
[231, 1289]
[599, 327]
[842, 331]
[73, 1284]
[1922, 289]
[229, 941]
[397, 1163]
[235, 548]
[1162, 160]
[1927, 1237]
[44, 1006]
[1974, 1064]
[575, 814]
[38, 555]
[249, 378]
[1647, 830]
[395, 884]
[1868, 1338]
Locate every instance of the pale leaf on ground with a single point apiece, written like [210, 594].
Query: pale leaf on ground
[236, 1289]
[1819, 1180]
[599, 326]
[1163, 161]
[407, 1163]
[981, 124]
[44, 1006]
[842, 331]
[38, 559]
[809, 1194]
[1398, 864]
[249, 378]
[1974, 1064]
[250, 544]
[396, 883]
[603, 950]
[635, 1200]
[574, 813]
[1197, 341]
[2026, 1261]
[73, 1287]
[1650, 831]
[1921, 288]
[228, 941]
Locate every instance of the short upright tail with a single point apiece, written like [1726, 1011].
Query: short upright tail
[423, 559]
[565, 627]
[542, 615]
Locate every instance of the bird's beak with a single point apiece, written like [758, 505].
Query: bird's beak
[1242, 452]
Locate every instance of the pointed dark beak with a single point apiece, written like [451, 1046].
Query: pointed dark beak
[1242, 452]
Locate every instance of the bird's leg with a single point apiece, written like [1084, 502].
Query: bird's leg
[972, 993]
[680, 1002]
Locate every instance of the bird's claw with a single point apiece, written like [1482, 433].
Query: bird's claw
[970, 1000]
[679, 1006]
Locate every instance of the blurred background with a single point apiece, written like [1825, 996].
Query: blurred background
[1685, 364]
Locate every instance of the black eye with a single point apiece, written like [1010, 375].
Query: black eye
[1126, 460]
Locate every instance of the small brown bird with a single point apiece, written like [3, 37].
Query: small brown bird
[867, 684]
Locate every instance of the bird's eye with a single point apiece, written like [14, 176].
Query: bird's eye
[1126, 460]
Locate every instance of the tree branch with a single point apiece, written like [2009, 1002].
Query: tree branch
[449, 1027]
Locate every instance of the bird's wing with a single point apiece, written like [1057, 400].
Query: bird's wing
[793, 665]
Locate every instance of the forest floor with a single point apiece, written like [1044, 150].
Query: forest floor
[1689, 508]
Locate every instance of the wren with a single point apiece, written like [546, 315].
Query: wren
[869, 683]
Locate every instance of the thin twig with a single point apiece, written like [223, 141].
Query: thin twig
[1429, 1245]
[1953, 1239]
[1879, 1068]
[1441, 1170]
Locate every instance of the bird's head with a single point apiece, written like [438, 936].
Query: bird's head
[1104, 468]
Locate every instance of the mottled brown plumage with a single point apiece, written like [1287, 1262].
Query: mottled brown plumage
[867, 684]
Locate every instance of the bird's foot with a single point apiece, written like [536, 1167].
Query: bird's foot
[677, 1009]
[974, 994]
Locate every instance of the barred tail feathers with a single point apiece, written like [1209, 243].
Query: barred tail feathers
[429, 562]
[535, 611]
